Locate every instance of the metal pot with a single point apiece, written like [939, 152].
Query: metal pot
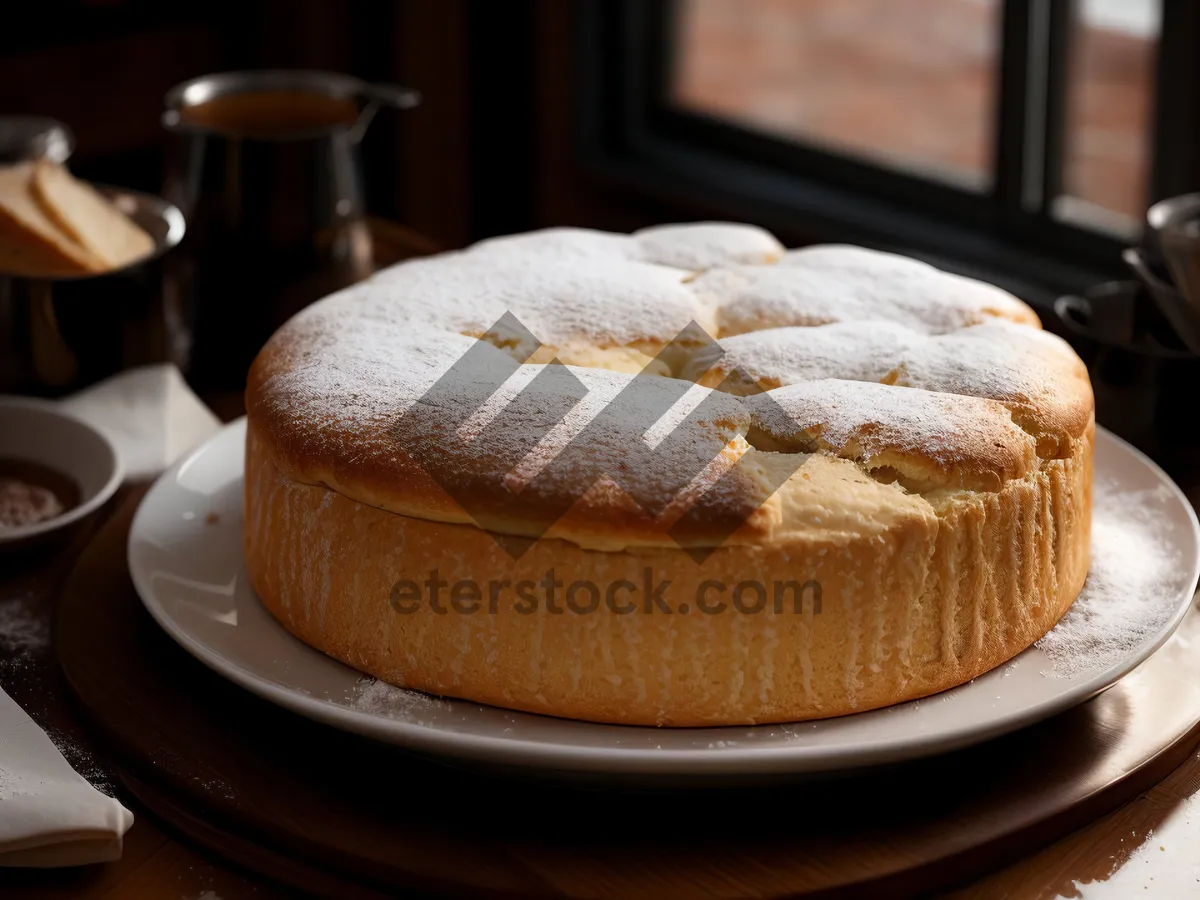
[61, 334]
[1169, 263]
[1143, 377]
[267, 170]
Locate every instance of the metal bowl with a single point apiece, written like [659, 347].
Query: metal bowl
[61, 334]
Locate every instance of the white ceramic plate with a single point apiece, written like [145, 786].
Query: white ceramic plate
[186, 560]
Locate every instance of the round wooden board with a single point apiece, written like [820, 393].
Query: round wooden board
[329, 812]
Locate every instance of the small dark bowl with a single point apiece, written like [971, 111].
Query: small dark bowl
[1144, 379]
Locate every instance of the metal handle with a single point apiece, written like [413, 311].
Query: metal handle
[392, 95]
[1073, 308]
[1183, 318]
[378, 95]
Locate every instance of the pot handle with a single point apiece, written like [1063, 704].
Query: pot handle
[378, 95]
[1180, 315]
[392, 95]
[1073, 311]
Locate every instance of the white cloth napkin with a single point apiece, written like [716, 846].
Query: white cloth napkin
[49, 814]
[151, 415]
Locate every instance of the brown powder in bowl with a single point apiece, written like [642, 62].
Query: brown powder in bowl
[32, 493]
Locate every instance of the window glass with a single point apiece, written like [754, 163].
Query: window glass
[1110, 105]
[910, 85]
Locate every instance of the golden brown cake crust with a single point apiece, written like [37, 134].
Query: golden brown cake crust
[935, 447]
[925, 604]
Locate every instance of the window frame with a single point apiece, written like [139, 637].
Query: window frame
[630, 134]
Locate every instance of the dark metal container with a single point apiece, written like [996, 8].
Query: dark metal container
[267, 170]
[1144, 379]
[60, 334]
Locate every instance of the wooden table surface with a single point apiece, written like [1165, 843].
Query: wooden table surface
[1144, 848]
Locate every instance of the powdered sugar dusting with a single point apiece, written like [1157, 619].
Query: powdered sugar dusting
[997, 360]
[559, 244]
[1033, 372]
[605, 302]
[690, 247]
[1132, 588]
[704, 245]
[824, 284]
[342, 373]
[12, 785]
[23, 632]
[80, 758]
[382, 699]
[856, 351]
[365, 353]
[874, 418]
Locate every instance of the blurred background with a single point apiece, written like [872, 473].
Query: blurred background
[1020, 141]
[973, 111]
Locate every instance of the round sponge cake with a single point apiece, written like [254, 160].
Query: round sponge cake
[678, 477]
